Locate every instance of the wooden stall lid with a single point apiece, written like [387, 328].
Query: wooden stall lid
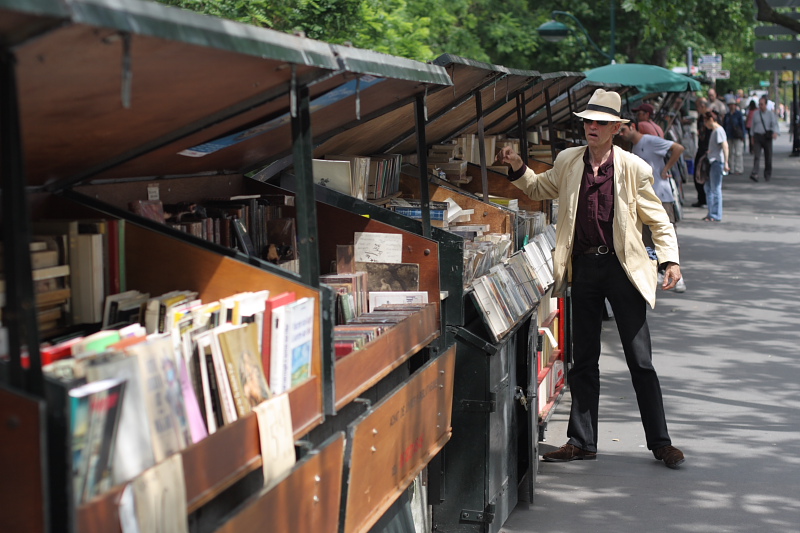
[362, 369]
[394, 441]
[22, 463]
[340, 226]
[308, 500]
[499, 186]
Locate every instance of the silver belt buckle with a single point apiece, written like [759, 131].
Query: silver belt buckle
[603, 249]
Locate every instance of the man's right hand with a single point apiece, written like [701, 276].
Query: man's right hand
[507, 156]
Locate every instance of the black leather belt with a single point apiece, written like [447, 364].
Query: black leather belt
[598, 250]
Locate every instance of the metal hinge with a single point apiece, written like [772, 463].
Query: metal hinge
[478, 406]
[481, 517]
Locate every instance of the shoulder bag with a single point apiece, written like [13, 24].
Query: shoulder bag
[767, 132]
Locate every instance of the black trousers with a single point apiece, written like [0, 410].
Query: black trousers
[762, 141]
[699, 187]
[595, 278]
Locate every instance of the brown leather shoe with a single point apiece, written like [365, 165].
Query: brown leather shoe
[568, 452]
[671, 456]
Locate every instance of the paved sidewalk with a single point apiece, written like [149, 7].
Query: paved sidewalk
[728, 355]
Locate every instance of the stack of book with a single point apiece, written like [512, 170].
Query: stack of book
[201, 367]
[351, 294]
[51, 282]
[369, 326]
[255, 224]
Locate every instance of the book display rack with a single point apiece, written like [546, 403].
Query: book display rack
[143, 125]
[161, 180]
[488, 385]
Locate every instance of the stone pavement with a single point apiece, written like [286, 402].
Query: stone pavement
[728, 355]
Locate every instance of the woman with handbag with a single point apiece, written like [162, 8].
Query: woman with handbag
[718, 157]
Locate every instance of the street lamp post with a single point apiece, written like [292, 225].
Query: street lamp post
[554, 31]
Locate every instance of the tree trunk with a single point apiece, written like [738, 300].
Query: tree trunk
[660, 57]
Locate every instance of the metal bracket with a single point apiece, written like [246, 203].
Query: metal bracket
[467, 336]
[479, 406]
[481, 517]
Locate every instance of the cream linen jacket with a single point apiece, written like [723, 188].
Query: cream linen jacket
[635, 204]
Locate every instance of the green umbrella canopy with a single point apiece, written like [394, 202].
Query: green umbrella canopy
[646, 78]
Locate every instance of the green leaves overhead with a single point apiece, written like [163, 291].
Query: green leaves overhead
[504, 32]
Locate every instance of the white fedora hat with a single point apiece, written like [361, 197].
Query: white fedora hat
[603, 105]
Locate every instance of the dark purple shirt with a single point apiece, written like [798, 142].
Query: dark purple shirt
[595, 217]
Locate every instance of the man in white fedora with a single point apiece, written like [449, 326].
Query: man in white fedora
[605, 196]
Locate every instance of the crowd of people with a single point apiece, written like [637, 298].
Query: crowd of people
[712, 133]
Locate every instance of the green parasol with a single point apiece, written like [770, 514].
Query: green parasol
[646, 78]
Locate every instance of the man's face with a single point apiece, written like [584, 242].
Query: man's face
[762, 105]
[712, 95]
[701, 107]
[600, 134]
[642, 115]
[626, 131]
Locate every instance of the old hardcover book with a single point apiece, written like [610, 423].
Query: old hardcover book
[272, 303]
[345, 259]
[243, 363]
[227, 404]
[390, 276]
[299, 340]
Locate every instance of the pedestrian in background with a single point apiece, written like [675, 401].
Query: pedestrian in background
[718, 157]
[751, 111]
[644, 117]
[715, 104]
[655, 150]
[735, 130]
[702, 147]
[765, 130]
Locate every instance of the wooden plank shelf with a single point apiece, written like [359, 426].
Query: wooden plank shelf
[555, 356]
[309, 499]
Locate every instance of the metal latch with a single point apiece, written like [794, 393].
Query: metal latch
[519, 394]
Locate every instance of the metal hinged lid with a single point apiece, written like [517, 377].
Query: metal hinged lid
[393, 130]
[575, 99]
[111, 89]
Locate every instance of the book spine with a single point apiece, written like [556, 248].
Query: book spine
[213, 403]
[223, 384]
[413, 212]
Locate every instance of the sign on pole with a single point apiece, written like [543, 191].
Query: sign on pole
[708, 60]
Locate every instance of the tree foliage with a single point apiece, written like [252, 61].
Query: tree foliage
[504, 32]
